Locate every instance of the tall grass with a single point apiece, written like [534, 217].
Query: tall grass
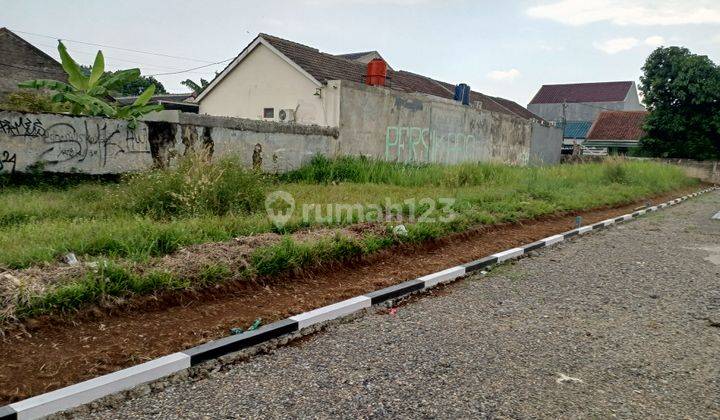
[155, 213]
[196, 186]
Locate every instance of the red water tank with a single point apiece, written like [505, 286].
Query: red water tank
[376, 72]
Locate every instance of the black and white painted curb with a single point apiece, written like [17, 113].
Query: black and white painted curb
[85, 392]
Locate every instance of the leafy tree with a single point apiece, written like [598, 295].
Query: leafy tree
[87, 94]
[194, 86]
[682, 93]
[133, 87]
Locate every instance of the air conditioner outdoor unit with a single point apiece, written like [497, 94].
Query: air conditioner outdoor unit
[286, 115]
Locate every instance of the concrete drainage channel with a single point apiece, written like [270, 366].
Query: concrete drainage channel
[279, 332]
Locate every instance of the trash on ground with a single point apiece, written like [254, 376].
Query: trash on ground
[565, 378]
[255, 325]
[400, 230]
[70, 259]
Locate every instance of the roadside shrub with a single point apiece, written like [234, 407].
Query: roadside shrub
[196, 186]
[616, 171]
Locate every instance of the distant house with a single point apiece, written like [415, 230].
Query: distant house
[616, 131]
[21, 61]
[170, 101]
[363, 57]
[281, 80]
[575, 106]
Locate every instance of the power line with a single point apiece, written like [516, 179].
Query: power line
[75, 50]
[189, 70]
[110, 46]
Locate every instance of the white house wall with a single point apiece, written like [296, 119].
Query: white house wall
[264, 80]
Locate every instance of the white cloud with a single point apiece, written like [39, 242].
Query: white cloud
[551, 48]
[614, 46]
[326, 3]
[654, 41]
[504, 75]
[620, 12]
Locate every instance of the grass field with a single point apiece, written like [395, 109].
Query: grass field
[153, 214]
[147, 216]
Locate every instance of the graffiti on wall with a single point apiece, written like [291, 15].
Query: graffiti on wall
[91, 141]
[94, 141]
[7, 161]
[416, 144]
[22, 127]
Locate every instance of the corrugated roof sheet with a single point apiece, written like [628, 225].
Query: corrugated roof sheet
[618, 125]
[582, 92]
[576, 129]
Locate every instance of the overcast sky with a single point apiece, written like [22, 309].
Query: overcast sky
[503, 48]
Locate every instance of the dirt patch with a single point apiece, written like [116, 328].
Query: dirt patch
[49, 353]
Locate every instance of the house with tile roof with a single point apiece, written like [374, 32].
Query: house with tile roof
[574, 106]
[400, 116]
[616, 131]
[273, 74]
[23, 61]
[584, 101]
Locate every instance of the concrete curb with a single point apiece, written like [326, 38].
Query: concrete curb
[85, 392]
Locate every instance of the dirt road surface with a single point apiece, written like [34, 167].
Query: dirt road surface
[624, 322]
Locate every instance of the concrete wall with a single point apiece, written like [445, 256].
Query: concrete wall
[409, 127]
[264, 80]
[374, 122]
[707, 171]
[61, 143]
[71, 144]
[273, 147]
[545, 145]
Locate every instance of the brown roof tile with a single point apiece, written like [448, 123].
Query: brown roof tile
[323, 67]
[618, 125]
[582, 92]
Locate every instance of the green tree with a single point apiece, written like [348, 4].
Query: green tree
[132, 87]
[197, 88]
[682, 92]
[87, 94]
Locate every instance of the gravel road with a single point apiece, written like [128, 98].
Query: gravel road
[624, 322]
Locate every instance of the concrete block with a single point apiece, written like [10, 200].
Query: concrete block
[336, 310]
[569, 234]
[533, 246]
[584, 229]
[84, 392]
[450, 274]
[233, 343]
[480, 264]
[553, 239]
[508, 254]
[398, 290]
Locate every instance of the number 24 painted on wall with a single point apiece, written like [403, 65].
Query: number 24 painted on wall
[6, 158]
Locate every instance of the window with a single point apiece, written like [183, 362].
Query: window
[268, 112]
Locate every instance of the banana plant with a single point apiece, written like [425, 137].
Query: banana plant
[87, 94]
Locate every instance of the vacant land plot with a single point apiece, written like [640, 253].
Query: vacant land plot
[621, 323]
[128, 234]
